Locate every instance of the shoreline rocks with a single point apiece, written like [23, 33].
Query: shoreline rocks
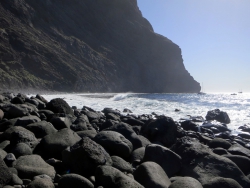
[60, 146]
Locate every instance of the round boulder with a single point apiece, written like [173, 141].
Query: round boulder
[41, 183]
[74, 180]
[186, 182]
[218, 115]
[59, 105]
[121, 164]
[221, 182]
[41, 129]
[219, 143]
[5, 174]
[115, 143]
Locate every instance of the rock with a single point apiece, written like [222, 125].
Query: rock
[48, 113]
[2, 153]
[54, 144]
[92, 115]
[126, 110]
[23, 136]
[26, 120]
[132, 121]
[162, 129]
[87, 133]
[127, 131]
[21, 149]
[222, 183]
[237, 149]
[4, 144]
[58, 105]
[29, 166]
[150, 174]
[1, 114]
[137, 155]
[115, 143]
[219, 143]
[167, 159]
[17, 100]
[16, 180]
[41, 129]
[41, 183]
[189, 126]
[112, 116]
[110, 110]
[218, 115]
[74, 181]
[202, 164]
[214, 124]
[5, 174]
[220, 151]
[187, 182]
[60, 122]
[108, 176]
[41, 98]
[13, 111]
[121, 164]
[241, 161]
[85, 156]
[9, 159]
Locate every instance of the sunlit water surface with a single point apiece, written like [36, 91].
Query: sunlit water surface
[237, 106]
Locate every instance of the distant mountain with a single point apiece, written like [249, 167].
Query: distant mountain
[86, 45]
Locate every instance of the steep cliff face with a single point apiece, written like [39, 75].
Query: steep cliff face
[90, 45]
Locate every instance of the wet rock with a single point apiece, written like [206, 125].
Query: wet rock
[150, 174]
[187, 182]
[214, 124]
[219, 143]
[41, 129]
[58, 105]
[121, 164]
[222, 183]
[32, 165]
[218, 115]
[202, 164]
[108, 176]
[115, 143]
[85, 156]
[162, 129]
[74, 180]
[189, 126]
[167, 159]
[53, 144]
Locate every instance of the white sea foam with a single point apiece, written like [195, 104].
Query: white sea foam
[237, 106]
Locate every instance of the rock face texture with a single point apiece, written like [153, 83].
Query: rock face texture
[95, 46]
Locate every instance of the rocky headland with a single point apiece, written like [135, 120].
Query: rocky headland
[86, 46]
[50, 144]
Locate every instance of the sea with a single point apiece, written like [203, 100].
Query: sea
[237, 106]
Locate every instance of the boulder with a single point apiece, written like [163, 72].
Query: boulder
[53, 144]
[61, 122]
[163, 130]
[137, 155]
[21, 149]
[167, 159]
[87, 133]
[215, 124]
[1, 114]
[222, 183]
[202, 164]
[13, 111]
[26, 120]
[85, 156]
[16, 180]
[187, 182]
[218, 115]
[237, 149]
[108, 176]
[189, 125]
[41, 183]
[150, 174]
[41, 129]
[74, 181]
[41, 98]
[23, 136]
[121, 164]
[115, 143]
[5, 174]
[2, 153]
[48, 113]
[220, 151]
[242, 162]
[29, 166]
[59, 105]
[219, 143]
[127, 131]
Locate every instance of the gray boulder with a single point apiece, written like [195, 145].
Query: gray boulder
[108, 176]
[219, 143]
[53, 144]
[85, 156]
[21, 149]
[1, 114]
[121, 164]
[137, 155]
[115, 143]
[218, 115]
[167, 159]
[87, 133]
[41, 129]
[26, 120]
[41, 183]
[61, 122]
[74, 181]
[5, 174]
[202, 164]
[187, 182]
[220, 182]
[150, 174]
[59, 105]
[163, 130]
[238, 149]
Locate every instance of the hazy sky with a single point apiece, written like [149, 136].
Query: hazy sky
[214, 36]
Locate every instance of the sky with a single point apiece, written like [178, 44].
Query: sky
[214, 36]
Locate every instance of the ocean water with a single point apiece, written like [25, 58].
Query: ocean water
[237, 106]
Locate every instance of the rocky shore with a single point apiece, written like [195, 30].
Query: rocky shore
[48, 144]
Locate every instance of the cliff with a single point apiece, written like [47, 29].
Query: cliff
[86, 45]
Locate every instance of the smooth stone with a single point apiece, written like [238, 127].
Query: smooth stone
[220, 182]
[219, 143]
[41, 183]
[21, 149]
[150, 174]
[41, 129]
[87, 133]
[26, 120]
[121, 164]
[237, 149]
[59, 105]
[74, 181]
[1, 114]
[187, 182]
[5, 174]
